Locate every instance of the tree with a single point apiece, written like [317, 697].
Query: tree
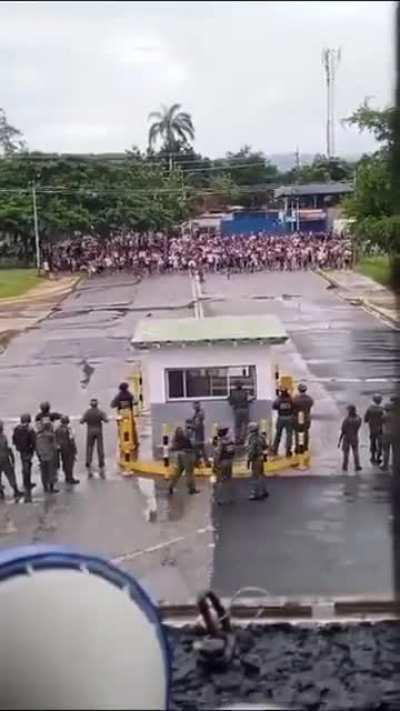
[321, 170]
[11, 140]
[372, 205]
[379, 122]
[173, 127]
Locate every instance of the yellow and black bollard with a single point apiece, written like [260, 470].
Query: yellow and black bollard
[277, 379]
[300, 440]
[165, 444]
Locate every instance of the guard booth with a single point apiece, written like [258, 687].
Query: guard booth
[188, 360]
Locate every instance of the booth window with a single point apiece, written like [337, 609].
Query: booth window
[198, 383]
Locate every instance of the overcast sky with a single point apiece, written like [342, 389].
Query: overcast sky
[83, 76]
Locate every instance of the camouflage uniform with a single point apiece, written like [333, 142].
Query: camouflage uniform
[256, 446]
[223, 464]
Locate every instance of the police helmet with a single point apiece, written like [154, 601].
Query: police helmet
[222, 431]
[188, 422]
[124, 386]
[65, 420]
[377, 399]
[45, 406]
[25, 419]
[302, 388]
[94, 402]
[388, 406]
[351, 409]
[253, 427]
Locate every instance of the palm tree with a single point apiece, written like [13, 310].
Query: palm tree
[172, 126]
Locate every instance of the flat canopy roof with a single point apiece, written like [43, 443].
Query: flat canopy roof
[314, 189]
[190, 331]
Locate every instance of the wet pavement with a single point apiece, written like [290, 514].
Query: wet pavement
[324, 536]
[82, 351]
[327, 535]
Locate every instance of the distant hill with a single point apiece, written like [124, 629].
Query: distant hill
[286, 161]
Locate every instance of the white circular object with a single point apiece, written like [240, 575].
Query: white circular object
[77, 633]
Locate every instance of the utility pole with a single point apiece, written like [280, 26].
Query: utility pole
[330, 61]
[36, 225]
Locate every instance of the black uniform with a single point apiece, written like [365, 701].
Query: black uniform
[374, 419]
[349, 438]
[24, 441]
[123, 400]
[302, 403]
[285, 409]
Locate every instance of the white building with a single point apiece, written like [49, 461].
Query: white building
[189, 359]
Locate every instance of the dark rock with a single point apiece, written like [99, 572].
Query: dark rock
[228, 681]
[185, 669]
[249, 686]
[309, 699]
[245, 640]
[251, 664]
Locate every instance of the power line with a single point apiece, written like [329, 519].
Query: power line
[95, 192]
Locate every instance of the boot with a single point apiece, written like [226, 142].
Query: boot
[102, 473]
[2, 494]
[89, 472]
[28, 497]
[193, 490]
[53, 490]
[18, 495]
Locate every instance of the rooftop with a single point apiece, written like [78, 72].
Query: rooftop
[314, 189]
[220, 329]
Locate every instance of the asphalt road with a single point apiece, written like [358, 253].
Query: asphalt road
[323, 535]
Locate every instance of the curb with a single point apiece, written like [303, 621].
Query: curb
[30, 298]
[316, 609]
[364, 303]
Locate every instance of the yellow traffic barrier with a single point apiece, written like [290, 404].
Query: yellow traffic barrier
[127, 438]
[273, 467]
[287, 383]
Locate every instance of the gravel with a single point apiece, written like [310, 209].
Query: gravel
[334, 667]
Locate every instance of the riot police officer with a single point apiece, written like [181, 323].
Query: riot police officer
[24, 440]
[223, 465]
[67, 447]
[285, 409]
[7, 465]
[302, 404]
[182, 449]
[349, 438]
[374, 419]
[256, 447]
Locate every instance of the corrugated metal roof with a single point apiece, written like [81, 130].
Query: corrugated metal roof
[174, 331]
[314, 189]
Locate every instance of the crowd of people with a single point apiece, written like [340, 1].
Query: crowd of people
[203, 252]
[52, 440]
